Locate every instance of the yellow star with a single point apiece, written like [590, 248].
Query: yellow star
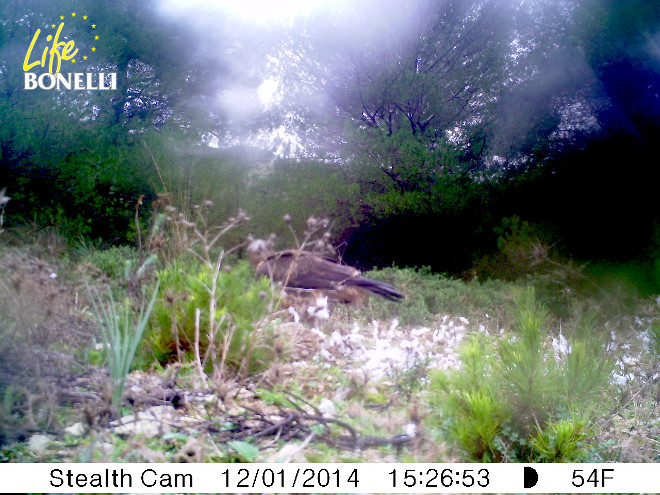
[85, 17]
[73, 14]
[84, 57]
[93, 26]
[96, 37]
[93, 48]
[53, 26]
[73, 60]
[62, 17]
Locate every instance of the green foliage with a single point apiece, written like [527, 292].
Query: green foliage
[523, 249]
[195, 175]
[237, 301]
[403, 172]
[122, 332]
[275, 396]
[411, 378]
[115, 263]
[245, 452]
[526, 253]
[479, 423]
[527, 371]
[629, 279]
[584, 373]
[430, 294]
[11, 421]
[467, 404]
[542, 382]
[609, 30]
[516, 399]
[301, 189]
[420, 68]
[562, 441]
[654, 339]
[88, 191]
[79, 163]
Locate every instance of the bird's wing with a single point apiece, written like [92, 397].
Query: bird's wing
[304, 270]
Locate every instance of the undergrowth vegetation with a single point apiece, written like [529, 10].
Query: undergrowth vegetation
[508, 198]
[209, 313]
[519, 398]
[552, 366]
[430, 294]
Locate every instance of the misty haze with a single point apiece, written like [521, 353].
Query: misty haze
[459, 201]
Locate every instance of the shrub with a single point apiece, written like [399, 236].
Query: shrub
[230, 304]
[526, 252]
[522, 249]
[115, 263]
[516, 398]
[561, 441]
[307, 186]
[467, 405]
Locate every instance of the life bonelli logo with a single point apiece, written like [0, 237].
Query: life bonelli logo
[56, 47]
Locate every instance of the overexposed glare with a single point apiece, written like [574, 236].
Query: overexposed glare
[235, 24]
[264, 10]
[258, 11]
[266, 91]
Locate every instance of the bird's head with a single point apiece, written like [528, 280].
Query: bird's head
[259, 250]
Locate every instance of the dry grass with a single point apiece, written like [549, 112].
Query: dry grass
[38, 308]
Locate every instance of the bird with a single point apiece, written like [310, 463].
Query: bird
[299, 269]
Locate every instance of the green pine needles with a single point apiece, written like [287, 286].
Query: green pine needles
[519, 398]
[211, 317]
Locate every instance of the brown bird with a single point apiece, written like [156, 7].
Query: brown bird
[304, 270]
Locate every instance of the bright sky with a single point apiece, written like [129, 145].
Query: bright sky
[245, 16]
[258, 11]
[201, 14]
[267, 10]
[266, 90]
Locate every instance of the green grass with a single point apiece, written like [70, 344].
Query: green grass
[514, 397]
[122, 330]
[428, 295]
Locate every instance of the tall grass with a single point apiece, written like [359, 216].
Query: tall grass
[121, 332]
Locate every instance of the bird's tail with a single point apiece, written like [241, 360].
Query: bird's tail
[377, 287]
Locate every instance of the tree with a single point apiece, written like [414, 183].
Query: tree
[420, 65]
[530, 108]
[76, 158]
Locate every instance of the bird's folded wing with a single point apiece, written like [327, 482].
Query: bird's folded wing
[306, 270]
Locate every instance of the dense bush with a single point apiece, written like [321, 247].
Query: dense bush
[518, 398]
[230, 305]
[300, 189]
[115, 263]
[89, 191]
